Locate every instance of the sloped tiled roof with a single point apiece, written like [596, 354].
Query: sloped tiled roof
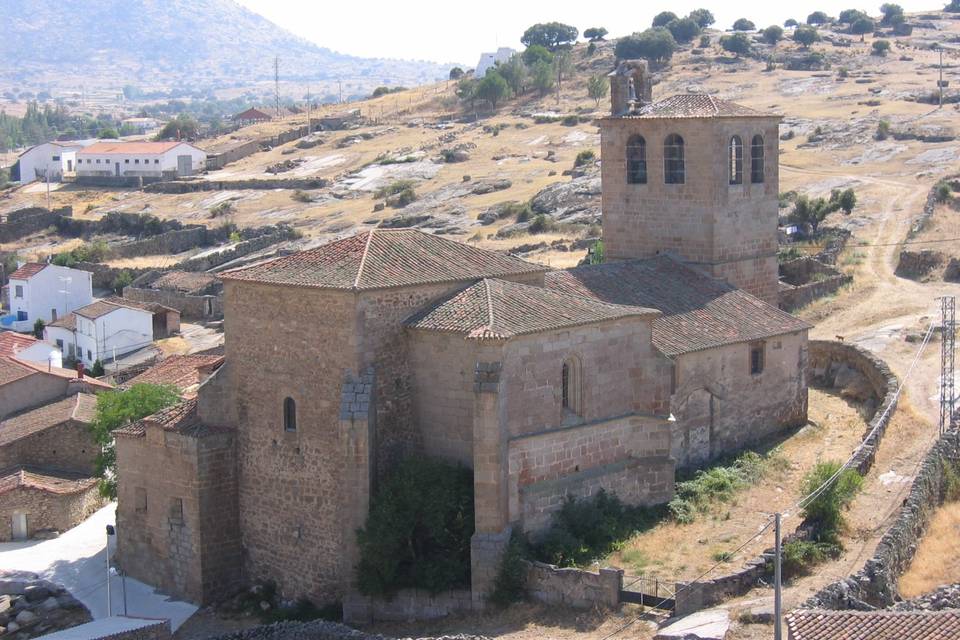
[12, 343]
[28, 270]
[57, 482]
[699, 312]
[874, 625]
[68, 322]
[498, 309]
[10, 366]
[696, 105]
[381, 259]
[101, 308]
[183, 418]
[80, 407]
[109, 148]
[12, 369]
[181, 371]
[183, 281]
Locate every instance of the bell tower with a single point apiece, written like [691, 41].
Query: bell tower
[693, 176]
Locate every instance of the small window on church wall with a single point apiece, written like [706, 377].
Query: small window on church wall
[756, 159]
[756, 359]
[673, 167]
[637, 160]
[572, 392]
[736, 160]
[289, 415]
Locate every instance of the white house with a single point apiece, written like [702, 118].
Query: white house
[489, 60]
[38, 290]
[140, 125]
[101, 331]
[49, 161]
[140, 159]
[26, 347]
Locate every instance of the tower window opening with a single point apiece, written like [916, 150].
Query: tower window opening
[673, 162]
[756, 159]
[736, 160]
[636, 160]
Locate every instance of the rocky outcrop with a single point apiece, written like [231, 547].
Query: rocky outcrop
[31, 607]
[945, 597]
[918, 264]
[576, 201]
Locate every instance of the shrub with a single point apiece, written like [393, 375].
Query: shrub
[800, 556]
[742, 24]
[704, 41]
[883, 130]
[225, 207]
[880, 47]
[717, 484]
[584, 530]
[591, 48]
[123, 279]
[510, 585]
[519, 210]
[597, 88]
[542, 224]
[301, 196]
[417, 533]
[570, 121]
[394, 188]
[683, 30]
[943, 192]
[97, 369]
[953, 7]
[773, 34]
[402, 199]
[585, 157]
[824, 512]
[38, 328]
[737, 44]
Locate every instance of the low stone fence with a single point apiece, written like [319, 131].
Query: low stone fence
[875, 585]
[577, 588]
[806, 279]
[407, 604]
[190, 186]
[191, 307]
[172, 242]
[826, 359]
[122, 181]
[22, 222]
[231, 153]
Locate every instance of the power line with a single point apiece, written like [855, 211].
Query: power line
[879, 244]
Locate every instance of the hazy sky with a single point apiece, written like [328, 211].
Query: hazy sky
[446, 31]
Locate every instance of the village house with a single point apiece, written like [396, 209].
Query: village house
[25, 384]
[148, 160]
[42, 291]
[107, 329]
[251, 116]
[26, 347]
[196, 295]
[342, 359]
[50, 161]
[490, 60]
[183, 372]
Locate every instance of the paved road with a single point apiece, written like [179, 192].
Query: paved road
[77, 560]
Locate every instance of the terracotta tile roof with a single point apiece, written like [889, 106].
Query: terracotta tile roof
[498, 309]
[874, 625]
[28, 270]
[51, 481]
[181, 371]
[109, 148]
[101, 308]
[12, 343]
[252, 114]
[696, 105]
[152, 307]
[44, 369]
[80, 407]
[181, 418]
[183, 281]
[12, 369]
[68, 322]
[381, 259]
[699, 312]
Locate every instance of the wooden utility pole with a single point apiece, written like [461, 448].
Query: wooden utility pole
[777, 583]
[276, 83]
[309, 122]
[940, 81]
[340, 89]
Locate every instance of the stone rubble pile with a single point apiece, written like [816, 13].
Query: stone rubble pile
[945, 597]
[31, 607]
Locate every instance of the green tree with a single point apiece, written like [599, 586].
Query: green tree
[183, 127]
[880, 47]
[818, 18]
[542, 78]
[109, 133]
[595, 34]
[825, 511]
[456, 73]
[811, 211]
[892, 14]
[846, 200]
[119, 408]
[467, 91]
[742, 24]
[683, 30]
[805, 36]
[849, 16]
[38, 328]
[493, 88]
[123, 279]
[515, 73]
[862, 26]
[597, 88]
[663, 18]
[790, 22]
[537, 53]
[655, 45]
[551, 35]
[736, 43]
[97, 369]
[773, 34]
[953, 7]
[702, 17]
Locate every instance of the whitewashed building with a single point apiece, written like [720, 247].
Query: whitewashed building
[25, 347]
[490, 60]
[140, 160]
[38, 290]
[49, 161]
[101, 331]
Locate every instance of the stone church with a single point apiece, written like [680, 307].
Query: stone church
[344, 358]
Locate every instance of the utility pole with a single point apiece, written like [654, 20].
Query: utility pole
[309, 122]
[276, 83]
[340, 89]
[777, 586]
[940, 81]
[947, 361]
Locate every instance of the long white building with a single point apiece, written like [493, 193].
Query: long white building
[50, 161]
[140, 159]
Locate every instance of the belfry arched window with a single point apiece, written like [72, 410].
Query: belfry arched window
[673, 165]
[735, 160]
[756, 159]
[289, 415]
[572, 386]
[636, 160]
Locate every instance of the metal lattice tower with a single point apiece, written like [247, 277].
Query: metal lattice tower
[947, 360]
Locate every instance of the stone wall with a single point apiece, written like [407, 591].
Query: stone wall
[316, 630]
[68, 446]
[574, 587]
[806, 279]
[47, 511]
[121, 182]
[875, 585]
[176, 241]
[190, 307]
[218, 158]
[190, 186]
[406, 604]
[825, 360]
[23, 222]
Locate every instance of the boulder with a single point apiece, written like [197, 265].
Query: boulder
[12, 627]
[37, 593]
[917, 264]
[489, 186]
[25, 618]
[50, 604]
[577, 200]
[4, 603]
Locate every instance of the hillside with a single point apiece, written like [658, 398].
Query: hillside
[198, 43]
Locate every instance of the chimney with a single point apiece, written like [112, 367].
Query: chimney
[79, 371]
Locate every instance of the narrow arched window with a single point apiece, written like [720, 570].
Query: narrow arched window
[289, 415]
[756, 159]
[673, 169]
[736, 160]
[636, 160]
[571, 383]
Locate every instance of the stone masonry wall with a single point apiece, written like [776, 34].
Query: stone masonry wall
[46, 510]
[175, 241]
[574, 587]
[68, 446]
[405, 605]
[218, 510]
[23, 222]
[190, 307]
